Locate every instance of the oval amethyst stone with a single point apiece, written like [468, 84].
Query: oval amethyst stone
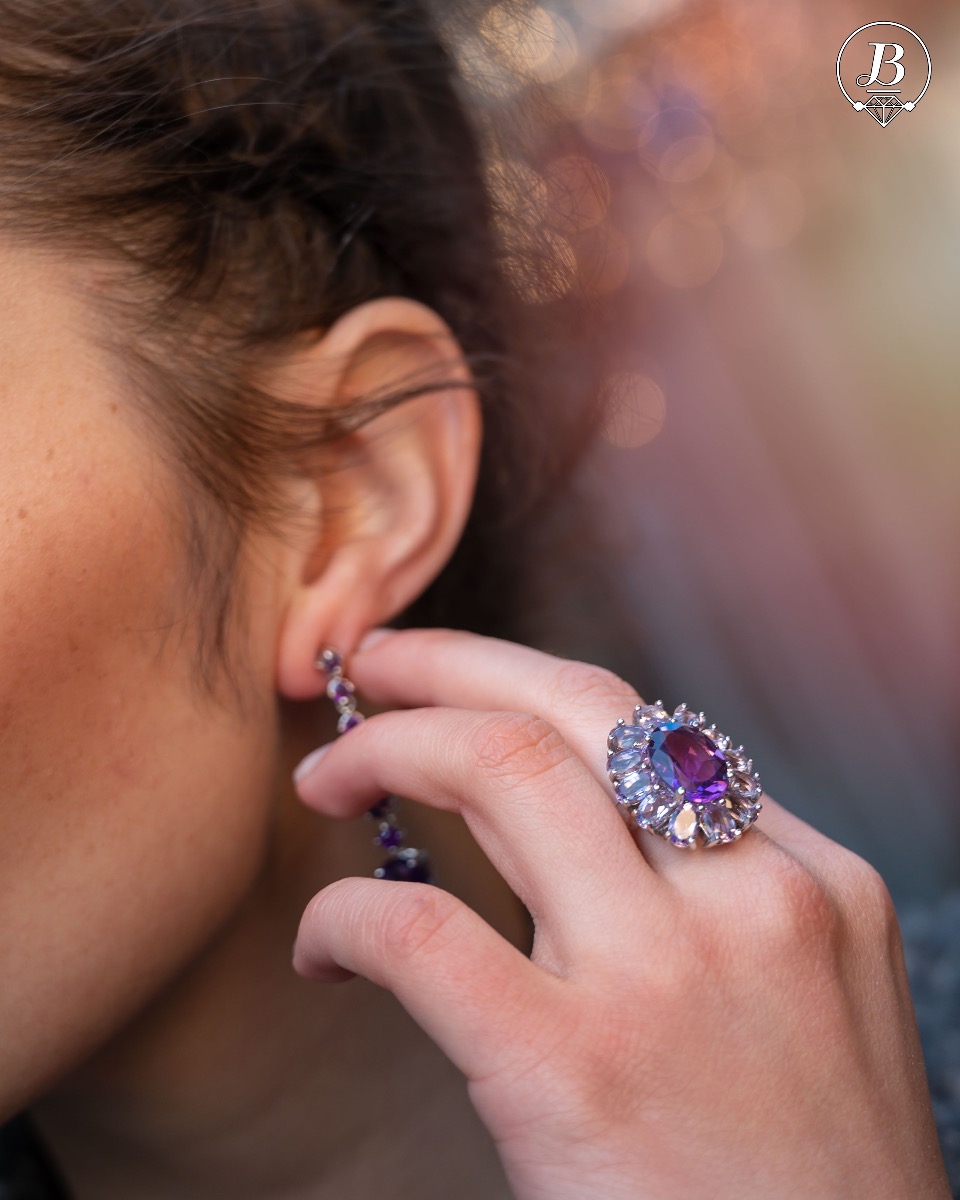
[339, 690]
[686, 758]
[389, 837]
[330, 661]
[408, 868]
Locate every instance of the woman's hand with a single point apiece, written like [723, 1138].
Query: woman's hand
[732, 1022]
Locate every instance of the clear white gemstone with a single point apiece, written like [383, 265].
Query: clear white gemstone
[746, 813]
[686, 716]
[683, 826]
[649, 716]
[739, 761]
[726, 824]
[708, 823]
[746, 786]
[654, 811]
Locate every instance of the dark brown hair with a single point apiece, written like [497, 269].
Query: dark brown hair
[253, 169]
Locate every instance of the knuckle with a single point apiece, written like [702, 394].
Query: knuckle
[868, 898]
[420, 925]
[519, 746]
[583, 681]
[798, 910]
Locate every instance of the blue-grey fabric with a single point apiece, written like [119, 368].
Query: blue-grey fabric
[931, 941]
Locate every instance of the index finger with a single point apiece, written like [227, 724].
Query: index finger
[452, 668]
[455, 669]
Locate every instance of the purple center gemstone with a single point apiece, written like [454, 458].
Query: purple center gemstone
[686, 758]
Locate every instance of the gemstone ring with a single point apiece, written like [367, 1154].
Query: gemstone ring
[680, 778]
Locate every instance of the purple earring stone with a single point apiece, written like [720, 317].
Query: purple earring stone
[402, 862]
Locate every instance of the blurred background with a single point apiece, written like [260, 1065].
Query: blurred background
[773, 505]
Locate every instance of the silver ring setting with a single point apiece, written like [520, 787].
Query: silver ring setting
[677, 776]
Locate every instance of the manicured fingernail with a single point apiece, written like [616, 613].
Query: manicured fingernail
[373, 637]
[304, 768]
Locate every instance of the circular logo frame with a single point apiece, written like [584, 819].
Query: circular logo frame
[887, 106]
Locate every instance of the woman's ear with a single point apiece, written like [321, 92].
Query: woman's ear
[380, 526]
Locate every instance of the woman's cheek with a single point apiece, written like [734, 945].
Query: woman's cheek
[131, 808]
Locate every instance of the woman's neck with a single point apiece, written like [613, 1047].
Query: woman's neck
[242, 1079]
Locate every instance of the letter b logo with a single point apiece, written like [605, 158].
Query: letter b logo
[879, 61]
[899, 71]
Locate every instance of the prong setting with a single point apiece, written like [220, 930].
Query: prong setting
[678, 776]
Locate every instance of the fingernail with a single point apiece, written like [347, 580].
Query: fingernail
[304, 768]
[373, 637]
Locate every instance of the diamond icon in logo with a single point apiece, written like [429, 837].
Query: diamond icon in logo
[883, 108]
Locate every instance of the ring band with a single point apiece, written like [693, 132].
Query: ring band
[680, 778]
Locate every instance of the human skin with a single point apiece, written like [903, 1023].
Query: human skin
[156, 861]
[732, 1022]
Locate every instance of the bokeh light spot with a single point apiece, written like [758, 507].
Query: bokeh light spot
[687, 158]
[667, 125]
[710, 190]
[619, 103]
[634, 409]
[515, 47]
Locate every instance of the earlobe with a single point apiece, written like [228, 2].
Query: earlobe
[402, 488]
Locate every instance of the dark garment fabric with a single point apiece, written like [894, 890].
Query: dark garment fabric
[26, 1170]
[931, 937]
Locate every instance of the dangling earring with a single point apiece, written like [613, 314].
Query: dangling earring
[402, 862]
